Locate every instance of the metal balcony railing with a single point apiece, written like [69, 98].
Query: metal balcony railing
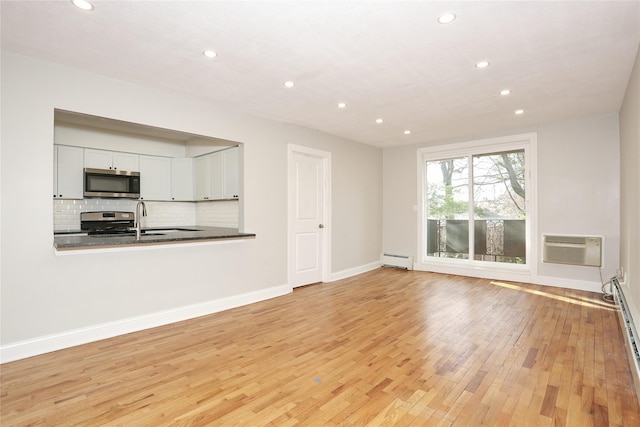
[499, 240]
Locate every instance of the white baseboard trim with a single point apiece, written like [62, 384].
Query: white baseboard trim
[581, 285]
[59, 341]
[354, 271]
[511, 275]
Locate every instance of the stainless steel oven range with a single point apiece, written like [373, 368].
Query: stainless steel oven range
[108, 223]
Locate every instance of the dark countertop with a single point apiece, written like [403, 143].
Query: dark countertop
[71, 240]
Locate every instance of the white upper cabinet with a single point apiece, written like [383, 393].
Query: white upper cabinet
[202, 178]
[155, 178]
[103, 159]
[126, 161]
[98, 159]
[182, 179]
[216, 175]
[213, 176]
[68, 172]
[231, 169]
[216, 170]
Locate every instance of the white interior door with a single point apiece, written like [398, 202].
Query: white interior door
[308, 225]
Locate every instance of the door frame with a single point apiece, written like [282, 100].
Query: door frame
[494, 270]
[326, 209]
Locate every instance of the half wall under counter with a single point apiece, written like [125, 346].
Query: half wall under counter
[78, 241]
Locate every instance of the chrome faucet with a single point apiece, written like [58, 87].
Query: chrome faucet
[138, 219]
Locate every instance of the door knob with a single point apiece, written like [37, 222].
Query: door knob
[321, 226]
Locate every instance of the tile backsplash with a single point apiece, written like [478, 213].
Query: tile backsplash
[66, 213]
[222, 213]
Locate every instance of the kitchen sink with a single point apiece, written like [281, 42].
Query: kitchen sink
[161, 231]
[147, 232]
[130, 234]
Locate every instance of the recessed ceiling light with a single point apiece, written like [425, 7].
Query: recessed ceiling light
[482, 64]
[379, 121]
[407, 132]
[288, 83]
[505, 92]
[342, 105]
[447, 18]
[518, 112]
[209, 54]
[82, 4]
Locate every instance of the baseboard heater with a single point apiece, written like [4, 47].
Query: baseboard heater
[398, 261]
[632, 339]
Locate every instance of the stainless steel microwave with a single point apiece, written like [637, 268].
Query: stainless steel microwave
[111, 183]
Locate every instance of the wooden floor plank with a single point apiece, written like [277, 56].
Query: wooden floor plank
[386, 348]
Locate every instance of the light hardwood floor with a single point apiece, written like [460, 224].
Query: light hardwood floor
[388, 347]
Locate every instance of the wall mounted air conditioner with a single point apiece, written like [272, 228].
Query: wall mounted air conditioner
[575, 250]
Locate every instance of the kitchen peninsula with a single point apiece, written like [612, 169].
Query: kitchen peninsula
[78, 240]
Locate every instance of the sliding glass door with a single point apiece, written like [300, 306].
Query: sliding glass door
[476, 207]
[448, 208]
[499, 214]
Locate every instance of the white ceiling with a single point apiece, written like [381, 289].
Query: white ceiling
[388, 59]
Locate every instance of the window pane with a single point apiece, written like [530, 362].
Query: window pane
[448, 208]
[499, 207]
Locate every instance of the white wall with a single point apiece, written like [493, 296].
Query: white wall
[83, 136]
[578, 193]
[579, 188]
[357, 207]
[44, 295]
[630, 191]
[400, 193]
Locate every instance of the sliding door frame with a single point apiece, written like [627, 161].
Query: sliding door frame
[470, 267]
